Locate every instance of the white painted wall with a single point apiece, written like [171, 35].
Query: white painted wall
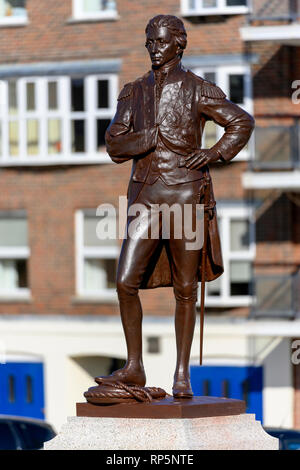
[75, 349]
[278, 393]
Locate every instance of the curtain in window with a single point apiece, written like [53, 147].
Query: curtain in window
[12, 8]
[8, 275]
[90, 6]
[94, 275]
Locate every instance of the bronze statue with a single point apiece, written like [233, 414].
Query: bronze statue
[159, 123]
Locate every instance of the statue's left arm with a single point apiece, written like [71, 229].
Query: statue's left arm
[238, 126]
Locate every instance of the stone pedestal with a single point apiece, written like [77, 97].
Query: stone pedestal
[203, 423]
[238, 432]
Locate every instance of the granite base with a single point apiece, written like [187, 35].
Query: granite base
[236, 432]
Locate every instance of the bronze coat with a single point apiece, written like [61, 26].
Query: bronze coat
[186, 103]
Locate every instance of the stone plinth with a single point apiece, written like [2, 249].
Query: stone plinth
[216, 424]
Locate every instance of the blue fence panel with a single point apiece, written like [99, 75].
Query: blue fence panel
[22, 389]
[240, 382]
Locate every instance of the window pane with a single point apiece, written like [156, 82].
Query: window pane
[90, 6]
[10, 8]
[30, 91]
[206, 387]
[99, 274]
[29, 389]
[13, 232]
[236, 88]
[52, 95]
[240, 276]
[11, 389]
[153, 345]
[274, 146]
[102, 125]
[225, 389]
[13, 138]
[210, 134]
[210, 76]
[77, 94]
[32, 137]
[239, 235]
[12, 97]
[245, 391]
[78, 135]
[209, 3]
[240, 271]
[108, 226]
[22, 270]
[54, 136]
[13, 274]
[214, 287]
[236, 3]
[102, 94]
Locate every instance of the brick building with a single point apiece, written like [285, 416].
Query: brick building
[62, 65]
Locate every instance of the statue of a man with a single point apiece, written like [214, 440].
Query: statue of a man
[159, 124]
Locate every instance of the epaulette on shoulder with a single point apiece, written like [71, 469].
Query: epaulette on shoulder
[209, 89]
[126, 91]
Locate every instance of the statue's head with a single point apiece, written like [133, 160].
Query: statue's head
[165, 39]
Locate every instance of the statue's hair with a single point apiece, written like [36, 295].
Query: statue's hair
[174, 25]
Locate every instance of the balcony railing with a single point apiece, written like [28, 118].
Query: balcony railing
[274, 10]
[276, 296]
[277, 147]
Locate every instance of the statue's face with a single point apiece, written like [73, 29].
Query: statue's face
[161, 45]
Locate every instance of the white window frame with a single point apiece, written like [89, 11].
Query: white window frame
[14, 20]
[227, 212]
[220, 9]
[82, 252]
[79, 14]
[64, 113]
[222, 73]
[15, 253]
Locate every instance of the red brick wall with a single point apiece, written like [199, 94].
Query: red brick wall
[51, 196]
[50, 36]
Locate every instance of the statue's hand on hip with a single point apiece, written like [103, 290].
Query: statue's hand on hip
[201, 158]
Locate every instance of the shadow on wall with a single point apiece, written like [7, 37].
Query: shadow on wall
[94, 366]
[281, 70]
[276, 223]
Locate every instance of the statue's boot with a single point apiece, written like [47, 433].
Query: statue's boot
[185, 317]
[133, 372]
[182, 389]
[127, 375]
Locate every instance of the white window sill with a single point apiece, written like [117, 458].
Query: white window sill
[14, 21]
[112, 16]
[216, 11]
[79, 159]
[18, 296]
[105, 298]
[234, 301]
